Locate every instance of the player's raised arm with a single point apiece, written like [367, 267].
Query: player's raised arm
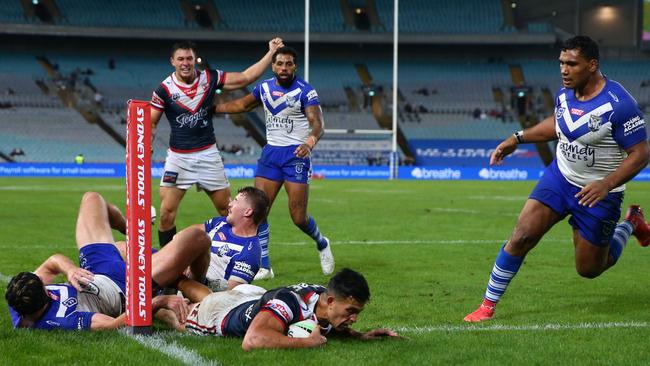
[267, 331]
[60, 264]
[244, 104]
[236, 80]
[541, 132]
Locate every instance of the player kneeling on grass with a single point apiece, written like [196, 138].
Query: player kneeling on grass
[263, 317]
[93, 298]
[235, 252]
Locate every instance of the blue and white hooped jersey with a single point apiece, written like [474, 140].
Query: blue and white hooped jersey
[63, 312]
[232, 255]
[189, 109]
[594, 134]
[289, 305]
[286, 122]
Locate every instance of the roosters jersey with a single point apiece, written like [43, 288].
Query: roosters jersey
[286, 122]
[594, 134]
[289, 305]
[189, 109]
[232, 256]
[66, 310]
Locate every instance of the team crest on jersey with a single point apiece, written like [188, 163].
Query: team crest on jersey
[291, 102]
[300, 167]
[594, 122]
[176, 96]
[223, 250]
[559, 112]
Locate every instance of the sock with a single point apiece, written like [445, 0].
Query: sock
[505, 268]
[264, 234]
[313, 231]
[165, 237]
[619, 240]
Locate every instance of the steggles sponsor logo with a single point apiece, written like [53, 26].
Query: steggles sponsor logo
[191, 119]
[577, 112]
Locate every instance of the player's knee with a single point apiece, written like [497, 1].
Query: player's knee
[167, 217]
[197, 237]
[91, 196]
[589, 273]
[522, 241]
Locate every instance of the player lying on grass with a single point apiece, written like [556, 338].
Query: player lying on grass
[93, 297]
[263, 317]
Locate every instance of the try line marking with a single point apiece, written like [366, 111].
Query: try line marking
[157, 343]
[524, 328]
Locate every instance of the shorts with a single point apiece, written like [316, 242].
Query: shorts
[205, 168]
[595, 224]
[205, 318]
[102, 295]
[279, 163]
[104, 259]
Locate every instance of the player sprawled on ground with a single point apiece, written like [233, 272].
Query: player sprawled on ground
[602, 143]
[263, 318]
[94, 296]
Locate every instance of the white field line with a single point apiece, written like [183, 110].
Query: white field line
[521, 328]
[171, 349]
[499, 198]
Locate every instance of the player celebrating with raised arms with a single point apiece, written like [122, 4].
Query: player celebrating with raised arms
[602, 144]
[294, 124]
[187, 98]
[263, 318]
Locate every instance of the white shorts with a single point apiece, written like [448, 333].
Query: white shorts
[102, 295]
[205, 317]
[205, 168]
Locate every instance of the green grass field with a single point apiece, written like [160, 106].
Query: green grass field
[426, 249]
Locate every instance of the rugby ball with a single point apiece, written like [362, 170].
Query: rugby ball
[301, 329]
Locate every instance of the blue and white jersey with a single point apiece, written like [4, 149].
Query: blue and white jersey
[289, 305]
[232, 256]
[594, 134]
[286, 122]
[66, 310]
[189, 109]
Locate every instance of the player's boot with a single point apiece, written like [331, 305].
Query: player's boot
[327, 259]
[264, 274]
[641, 227]
[484, 312]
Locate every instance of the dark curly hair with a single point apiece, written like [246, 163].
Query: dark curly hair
[26, 293]
[348, 283]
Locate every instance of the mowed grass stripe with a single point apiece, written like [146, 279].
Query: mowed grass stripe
[509, 328]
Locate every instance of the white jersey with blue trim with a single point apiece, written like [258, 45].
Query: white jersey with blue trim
[594, 134]
[286, 122]
[232, 256]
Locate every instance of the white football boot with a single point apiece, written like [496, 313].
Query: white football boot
[264, 274]
[327, 259]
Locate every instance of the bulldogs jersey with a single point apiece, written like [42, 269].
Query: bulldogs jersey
[594, 134]
[289, 304]
[286, 122]
[66, 310]
[189, 109]
[232, 255]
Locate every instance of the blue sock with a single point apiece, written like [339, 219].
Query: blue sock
[505, 268]
[263, 234]
[619, 240]
[313, 231]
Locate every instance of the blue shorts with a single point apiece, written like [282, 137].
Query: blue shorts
[104, 259]
[595, 224]
[279, 163]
